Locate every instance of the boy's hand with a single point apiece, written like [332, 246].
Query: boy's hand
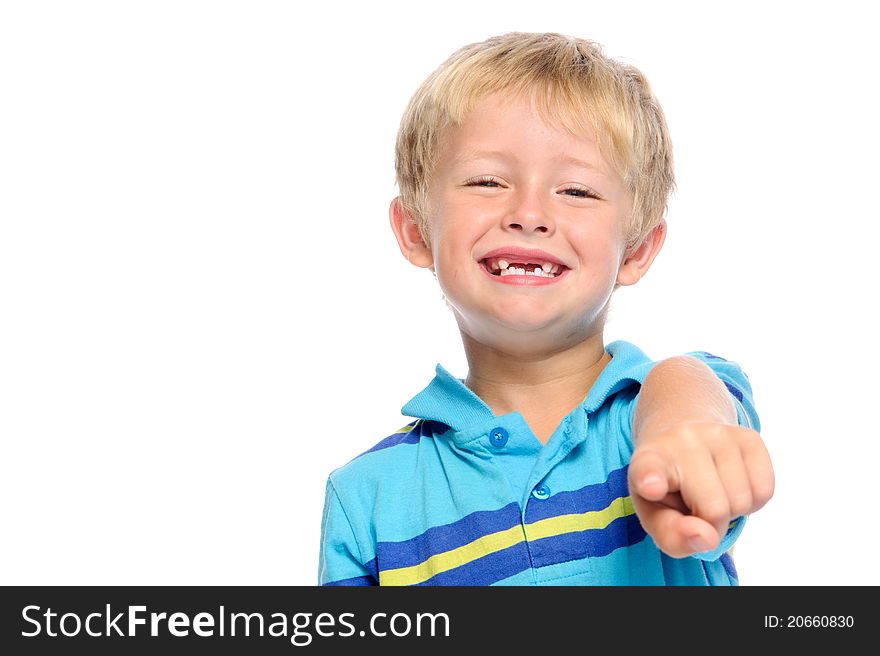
[690, 479]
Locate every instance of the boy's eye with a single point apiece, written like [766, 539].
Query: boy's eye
[491, 183]
[579, 192]
[483, 181]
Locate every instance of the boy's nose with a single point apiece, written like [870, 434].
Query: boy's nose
[529, 216]
[528, 226]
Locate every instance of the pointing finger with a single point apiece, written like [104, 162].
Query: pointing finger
[650, 476]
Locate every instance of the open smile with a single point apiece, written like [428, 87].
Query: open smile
[518, 266]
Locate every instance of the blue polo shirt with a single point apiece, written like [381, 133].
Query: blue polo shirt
[461, 496]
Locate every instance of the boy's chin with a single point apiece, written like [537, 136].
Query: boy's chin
[525, 339]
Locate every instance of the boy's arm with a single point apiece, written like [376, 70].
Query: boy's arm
[340, 560]
[693, 468]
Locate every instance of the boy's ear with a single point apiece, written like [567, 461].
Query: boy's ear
[409, 238]
[638, 259]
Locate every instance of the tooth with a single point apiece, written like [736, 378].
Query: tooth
[547, 266]
[519, 271]
[555, 269]
[503, 264]
[506, 272]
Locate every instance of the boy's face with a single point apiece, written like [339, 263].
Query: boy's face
[510, 190]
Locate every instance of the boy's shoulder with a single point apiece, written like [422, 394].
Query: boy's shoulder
[635, 365]
[388, 455]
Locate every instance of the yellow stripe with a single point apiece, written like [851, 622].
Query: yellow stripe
[442, 562]
[408, 428]
[447, 560]
[730, 527]
[620, 507]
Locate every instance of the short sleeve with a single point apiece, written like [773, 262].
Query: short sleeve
[340, 560]
[737, 383]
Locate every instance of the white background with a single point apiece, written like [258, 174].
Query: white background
[203, 310]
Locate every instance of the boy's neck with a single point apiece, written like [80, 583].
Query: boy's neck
[543, 389]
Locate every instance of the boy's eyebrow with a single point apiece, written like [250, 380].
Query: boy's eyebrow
[567, 159]
[471, 155]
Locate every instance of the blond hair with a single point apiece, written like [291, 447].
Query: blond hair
[573, 83]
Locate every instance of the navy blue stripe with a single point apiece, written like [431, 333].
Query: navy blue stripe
[369, 579]
[486, 570]
[419, 428]
[410, 437]
[727, 560]
[622, 532]
[708, 355]
[438, 539]
[588, 498]
[735, 391]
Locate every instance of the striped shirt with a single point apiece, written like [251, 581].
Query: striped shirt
[463, 497]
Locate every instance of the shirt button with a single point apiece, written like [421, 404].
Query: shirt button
[541, 492]
[498, 437]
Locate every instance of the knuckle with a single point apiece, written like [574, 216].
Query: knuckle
[714, 511]
[750, 438]
[637, 461]
[741, 504]
[696, 433]
[763, 492]
[648, 453]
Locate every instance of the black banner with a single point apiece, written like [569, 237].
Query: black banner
[287, 620]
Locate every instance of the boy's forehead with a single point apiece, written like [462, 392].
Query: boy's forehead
[558, 115]
[488, 131]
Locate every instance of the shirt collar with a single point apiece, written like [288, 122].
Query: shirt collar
[447, 400]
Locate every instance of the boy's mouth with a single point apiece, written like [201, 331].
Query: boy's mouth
[500, 266]
[532, 263]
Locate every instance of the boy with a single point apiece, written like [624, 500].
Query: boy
[534, 174]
